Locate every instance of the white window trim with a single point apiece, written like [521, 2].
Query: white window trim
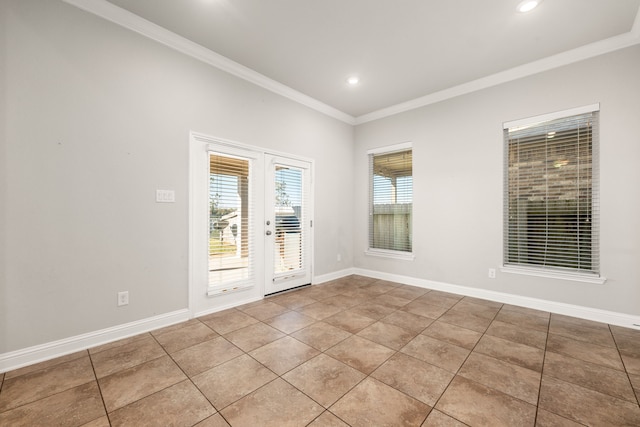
[406, 256]
[551, 274]
[385, 253]
[529, 121]
[541, 271]
[391, 148]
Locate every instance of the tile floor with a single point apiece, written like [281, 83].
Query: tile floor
[352, 352]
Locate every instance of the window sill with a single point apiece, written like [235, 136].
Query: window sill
[405, 256]
[550, 274]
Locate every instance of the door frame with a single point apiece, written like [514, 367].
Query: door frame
[199, 146]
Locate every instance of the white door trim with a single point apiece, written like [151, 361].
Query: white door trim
[199, 144]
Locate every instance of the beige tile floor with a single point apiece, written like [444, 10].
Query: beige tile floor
[352, 352]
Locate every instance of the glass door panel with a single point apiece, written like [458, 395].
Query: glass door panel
[288, 214]
[288, 224]
[230, 236]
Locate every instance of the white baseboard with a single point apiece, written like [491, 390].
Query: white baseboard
[604, 316]
[333, 276]
[40, 353]
[47, 351]
[226, 306]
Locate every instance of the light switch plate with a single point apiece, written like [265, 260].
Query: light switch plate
[165, 196]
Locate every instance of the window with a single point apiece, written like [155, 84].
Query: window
[551, 194]
[391, 201]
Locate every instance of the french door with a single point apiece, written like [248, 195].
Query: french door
[234, 200]
[259, 223]
[287, 223]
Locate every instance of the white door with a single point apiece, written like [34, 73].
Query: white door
[251, 232]
[234, 232]
[288, 223]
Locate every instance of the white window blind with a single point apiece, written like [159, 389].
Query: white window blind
[391, 200]
[551, 201]
[290, 209]
[230, 235]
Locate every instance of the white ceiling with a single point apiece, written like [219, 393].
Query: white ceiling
[404, 51]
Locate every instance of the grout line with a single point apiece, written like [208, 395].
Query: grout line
[104, 405]
[626, 371]
[455, 374]
[544, 356]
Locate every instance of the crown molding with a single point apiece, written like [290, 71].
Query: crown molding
[133, 22]
[555, 61]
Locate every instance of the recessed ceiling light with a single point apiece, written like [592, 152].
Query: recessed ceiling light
[353, 80]
[528, 5]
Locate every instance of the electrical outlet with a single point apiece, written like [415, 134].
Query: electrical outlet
[339, 257]
[492, 273]
[123, 298]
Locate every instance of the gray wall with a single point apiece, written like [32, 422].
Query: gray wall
[458, 173]
[95, 118]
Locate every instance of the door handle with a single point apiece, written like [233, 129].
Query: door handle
[268, 233]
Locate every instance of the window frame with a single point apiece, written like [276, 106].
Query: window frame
[378, 252]
[542, 270]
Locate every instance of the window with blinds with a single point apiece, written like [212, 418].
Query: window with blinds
[230, 237]
[551, 194]
[391, 200]
[289, 205]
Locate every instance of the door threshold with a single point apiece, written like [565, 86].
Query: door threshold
[287, 290]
